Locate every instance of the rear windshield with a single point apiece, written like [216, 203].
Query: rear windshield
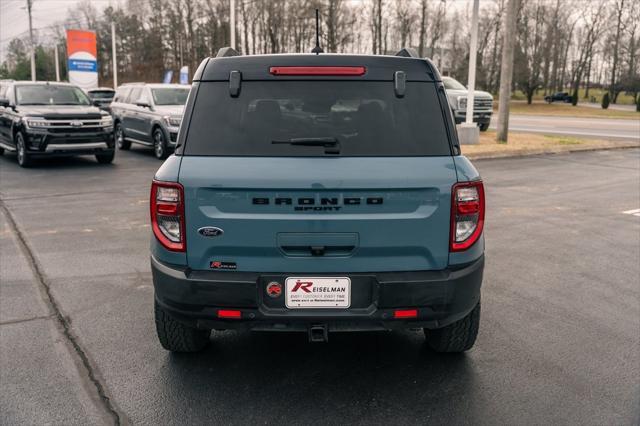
[103, 94]
[170, 96]
[365, 118]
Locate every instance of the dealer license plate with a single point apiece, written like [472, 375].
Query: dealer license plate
[317, 292]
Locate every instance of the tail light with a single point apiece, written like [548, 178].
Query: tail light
[467, 214]
[167, 214]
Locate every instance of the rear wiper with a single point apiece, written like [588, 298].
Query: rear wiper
[331, 144]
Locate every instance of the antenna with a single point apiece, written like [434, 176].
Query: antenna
[317, 50]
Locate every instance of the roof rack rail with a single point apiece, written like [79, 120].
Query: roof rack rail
[408, 52]
[224, 52]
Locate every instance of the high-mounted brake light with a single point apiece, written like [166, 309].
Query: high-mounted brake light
[335, 71]
[467, 214]
[167, 214]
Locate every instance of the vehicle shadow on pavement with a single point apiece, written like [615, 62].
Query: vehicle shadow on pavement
[8, 160]
[356, 377]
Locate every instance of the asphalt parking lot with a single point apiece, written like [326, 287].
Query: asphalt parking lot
[559, 339]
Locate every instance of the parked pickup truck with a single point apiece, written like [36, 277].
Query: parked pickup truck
[482, 104]
[317, 193]
[45, 119]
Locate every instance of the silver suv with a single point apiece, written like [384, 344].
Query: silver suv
[149, 114]
[482, 104]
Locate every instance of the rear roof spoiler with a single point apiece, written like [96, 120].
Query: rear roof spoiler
[257, 67]
[408, 52]
[224, 52]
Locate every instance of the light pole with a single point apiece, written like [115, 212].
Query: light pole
[469, 132]
[472, 62]
[232, 22]
[33, 47]
[443, 3]
[55, 56]
[114, 59]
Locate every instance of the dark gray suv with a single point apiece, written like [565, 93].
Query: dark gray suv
[149, 114]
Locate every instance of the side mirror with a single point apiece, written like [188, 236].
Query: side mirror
[96, 103]
[4, 102]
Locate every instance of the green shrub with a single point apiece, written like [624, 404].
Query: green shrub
[605, 100]
[637, 103]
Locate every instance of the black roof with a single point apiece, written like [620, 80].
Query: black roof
[256, 67]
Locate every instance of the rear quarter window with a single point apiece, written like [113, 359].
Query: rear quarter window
[364, 116]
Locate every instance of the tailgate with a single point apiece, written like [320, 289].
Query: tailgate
[318, 214]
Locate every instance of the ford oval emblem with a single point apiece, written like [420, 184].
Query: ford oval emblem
[210, 231]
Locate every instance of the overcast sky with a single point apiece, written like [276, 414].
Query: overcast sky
[14, 21]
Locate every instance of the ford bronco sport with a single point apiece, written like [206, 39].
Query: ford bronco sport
[317, 193]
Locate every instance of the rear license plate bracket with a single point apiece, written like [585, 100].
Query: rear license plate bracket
[318, 292]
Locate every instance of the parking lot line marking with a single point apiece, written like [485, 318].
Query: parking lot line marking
[635, 212]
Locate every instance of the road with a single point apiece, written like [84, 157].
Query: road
[558, 342]
[617, 107]
[597, 128]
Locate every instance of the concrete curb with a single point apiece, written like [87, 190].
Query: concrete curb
[547, 150]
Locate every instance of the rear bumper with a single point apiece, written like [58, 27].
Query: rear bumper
[440, 297]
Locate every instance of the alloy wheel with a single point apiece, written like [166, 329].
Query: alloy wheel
[158, 143]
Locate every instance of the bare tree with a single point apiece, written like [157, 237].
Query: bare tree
[591, 32]
[492, 84]
[375, 17]
[618, 10]
[550, 46]
[404, 21]
[529, 53]
[437, 28]
[338, 21]
[631, 80]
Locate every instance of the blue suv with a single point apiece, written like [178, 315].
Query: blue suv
[317, 193]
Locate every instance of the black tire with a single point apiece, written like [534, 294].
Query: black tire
[548, 100]
[106, 158]
[159, 144]
[484, 127]
[120, 140]
[177, 337]
[24, 160]
[457, 337]
[1, 151]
